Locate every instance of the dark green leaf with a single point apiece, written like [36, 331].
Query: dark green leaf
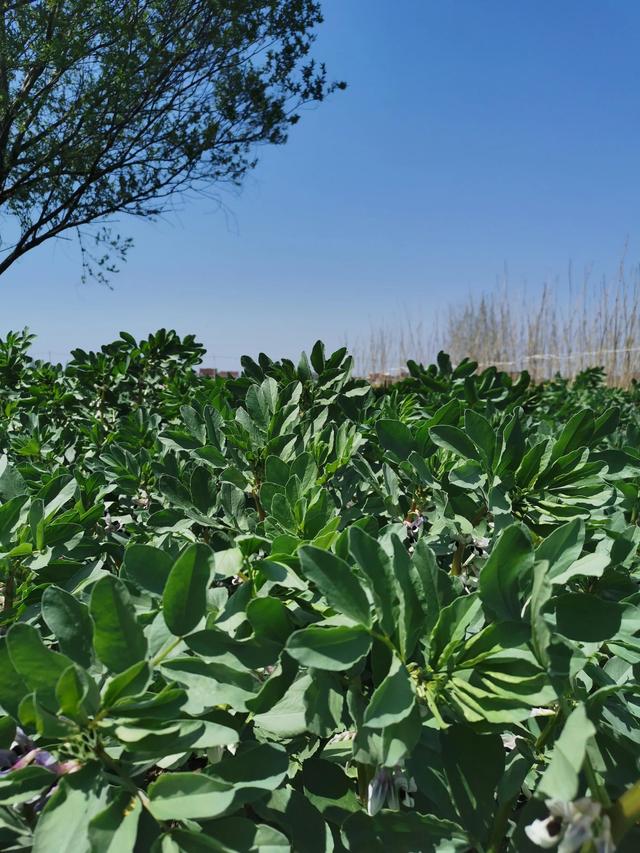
[184, 600]
[70, 622]
[337, 582]
[331, 648]
[118, 638]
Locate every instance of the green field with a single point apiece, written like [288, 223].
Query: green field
[291, 611]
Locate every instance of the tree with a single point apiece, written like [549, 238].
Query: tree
[119, 106]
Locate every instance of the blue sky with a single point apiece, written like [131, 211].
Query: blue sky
[473, 135]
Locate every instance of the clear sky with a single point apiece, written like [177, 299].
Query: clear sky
[474, 134]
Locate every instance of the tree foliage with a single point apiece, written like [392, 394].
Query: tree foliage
[115, 106]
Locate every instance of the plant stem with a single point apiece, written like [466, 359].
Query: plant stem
[597, 790]
[166, 651]
[456, 563]
[9, 587]
[544, 735]
[500, 826]
[127, 781]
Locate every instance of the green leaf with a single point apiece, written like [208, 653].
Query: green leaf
[576, 434]
[18, 786]
[435, 587]
[270, 619]
[510, 560]
[39, 667]
[303, 823]
[337, 582]
[455, 440]
[12, 483]
[583, 616]
[64, 823]
[115, 829]
[474, 764]
[562, 547]
[451, 628]
[396, 437]
[34, 713]
[147, 567]
[393, 700]
[254, 770]
[287, 717]
[331, 648]
[240, 835]
[36, 523]
[275, 687]
[232, 835]
[513, 447]
[540, 630]
[482, 435]
[606, 423]
[184, 600]
[118, 638]
[77, 694]
[402, 832]
[130, 682]
[12, 687]
[211, 683]
[276, 471]
[10, 512]
[561, 777]
[7, 732]
[323, 703]
[318, 357]
[70, 622]
[376, 565]
[591, 566]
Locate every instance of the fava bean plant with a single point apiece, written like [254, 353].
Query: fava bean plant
[292, 611]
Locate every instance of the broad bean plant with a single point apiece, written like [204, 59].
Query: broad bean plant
[293, 611]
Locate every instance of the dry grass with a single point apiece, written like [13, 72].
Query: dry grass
[557, 328]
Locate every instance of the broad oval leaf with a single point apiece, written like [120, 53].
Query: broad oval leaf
[337, 582]
[69, 620]
[184, 600]
[118, 638]
[333, 648]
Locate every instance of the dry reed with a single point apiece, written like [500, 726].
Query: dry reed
[553, 330]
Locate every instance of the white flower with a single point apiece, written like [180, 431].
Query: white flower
[481, 546]
[141, 499]
[604, 840]
[388, 786]
[544, 833]
[509, 741]
[379, 790]
[570, 825]
[413, 527]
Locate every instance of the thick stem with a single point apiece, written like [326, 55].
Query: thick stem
[456, 563]
[259, 507]
[166, 651]
[545, 734]
[9, 589]
[597, 790]
[500, 826]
